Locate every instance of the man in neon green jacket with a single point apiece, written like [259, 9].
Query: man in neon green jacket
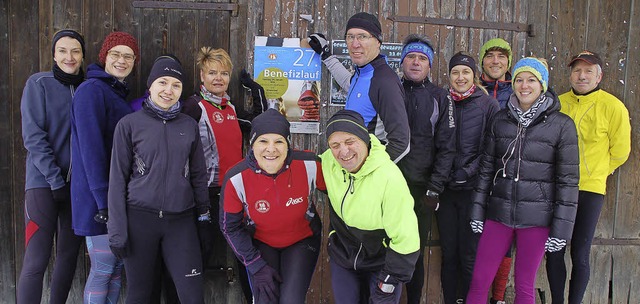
[373, 239]
[604, 143]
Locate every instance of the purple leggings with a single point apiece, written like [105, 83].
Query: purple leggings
[494, 242]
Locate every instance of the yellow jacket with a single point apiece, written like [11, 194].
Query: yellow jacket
[604, 135]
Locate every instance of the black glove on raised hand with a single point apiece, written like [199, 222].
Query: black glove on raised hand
[320, 45]
[248, 82]
[265, 285]
[102, 216]
[62, 195]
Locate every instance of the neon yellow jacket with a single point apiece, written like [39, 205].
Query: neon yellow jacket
[373, 223]
[604, 135]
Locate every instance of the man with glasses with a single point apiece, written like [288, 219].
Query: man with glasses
[375, 90]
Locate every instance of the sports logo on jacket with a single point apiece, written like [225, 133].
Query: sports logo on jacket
[294, 201]
[217, 117]
[262, 206]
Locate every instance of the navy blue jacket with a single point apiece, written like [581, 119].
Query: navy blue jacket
[473, 115]
[499, 90]
[98, 105]
[46, 131]
[433, 138]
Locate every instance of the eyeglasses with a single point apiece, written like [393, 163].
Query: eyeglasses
[115, 55]
[359, 37]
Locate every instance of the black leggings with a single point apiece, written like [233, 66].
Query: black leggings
[459, 243]
[589, 207]
[295, 264]
[46, 219]
[424, 215]
[175, 239]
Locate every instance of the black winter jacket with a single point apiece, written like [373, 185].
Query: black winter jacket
[433, 142]
[473, 115]
[529, 175]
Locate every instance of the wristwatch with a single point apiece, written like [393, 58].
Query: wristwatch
[432, 194]
[386, 288]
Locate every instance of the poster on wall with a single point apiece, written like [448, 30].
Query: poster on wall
[290, 76]
[339, 48]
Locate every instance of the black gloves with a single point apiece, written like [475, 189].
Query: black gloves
[386, 291]
[62, 195]
[320, 45]
[102, 216]
[247, 82]
[431, 200]
[265, 285]
[257, 92]
[205, 234]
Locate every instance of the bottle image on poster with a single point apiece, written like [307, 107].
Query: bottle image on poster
[290, 76]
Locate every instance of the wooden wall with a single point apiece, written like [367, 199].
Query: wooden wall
[562, 28]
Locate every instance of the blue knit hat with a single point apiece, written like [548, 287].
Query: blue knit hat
[536, 67]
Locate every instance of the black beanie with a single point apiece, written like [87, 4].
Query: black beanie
[462, 59]
[348, 121]
[366, 22]
[165, 65]
[271, 121]
[67, 33]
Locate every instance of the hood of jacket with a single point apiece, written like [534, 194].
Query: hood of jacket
[95, 71]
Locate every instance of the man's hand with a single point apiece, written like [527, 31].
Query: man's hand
[320, 45]
[102, 216]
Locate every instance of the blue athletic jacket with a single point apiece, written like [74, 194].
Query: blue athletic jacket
[46, 130]
[98, 105]
[377, 94]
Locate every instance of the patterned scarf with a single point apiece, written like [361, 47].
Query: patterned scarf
[461, 96]
[526, 117]
[162, 113]
[215, 100]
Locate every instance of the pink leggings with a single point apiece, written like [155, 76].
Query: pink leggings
[494, 242]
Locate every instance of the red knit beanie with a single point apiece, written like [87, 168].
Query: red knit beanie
[115, 39]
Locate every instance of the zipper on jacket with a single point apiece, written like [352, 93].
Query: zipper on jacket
[164, 179]
[73, 92]
[349, 189]
[581, 148]
[355, 260]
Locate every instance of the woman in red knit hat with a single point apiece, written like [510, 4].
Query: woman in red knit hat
[98, 105]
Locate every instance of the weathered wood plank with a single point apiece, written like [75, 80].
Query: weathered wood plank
[626, 286]
[184, 46]
[439, 71]
[537, 14]
[601, 264]
[461, 38]
[237, 48]
[22, 42]
[476, 39]
[271, 18]
[562, 20]
[153, 40]
[519, 41]
[11, 151]
[627, 213]
[491, 13]
[126, 19]
[447, 37]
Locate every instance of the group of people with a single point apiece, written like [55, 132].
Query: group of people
[499, 157]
